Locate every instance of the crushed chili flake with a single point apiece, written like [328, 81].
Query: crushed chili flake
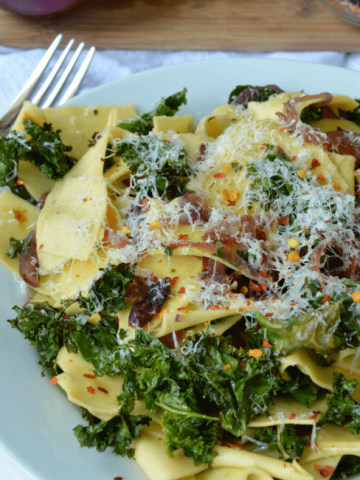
[117, 319]
[292, 416]
[53, 381]
[219, 175]
[183, 236]
[41, 246]
[242, 364]
[266, 344]
[269, 314]
[315, 414]
[89, 375]
[214, 307]
[182, 290]
[144, 202]
[182, 310]
[326, 299]
[91, 390]
[325, 471]
[173, 280]
[314, 164]
[263, 274]
[103, 390]
[238, 447]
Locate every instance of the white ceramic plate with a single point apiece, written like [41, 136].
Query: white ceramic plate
[36, 420]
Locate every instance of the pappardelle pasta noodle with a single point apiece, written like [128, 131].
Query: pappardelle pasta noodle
[196, 289]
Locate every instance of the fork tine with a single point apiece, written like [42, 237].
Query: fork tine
[52, 75]
[29, 85]
[64, 76]
[70, 92]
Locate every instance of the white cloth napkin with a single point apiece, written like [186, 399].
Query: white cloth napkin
[16, 65]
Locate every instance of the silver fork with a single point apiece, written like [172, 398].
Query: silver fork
[8, 118]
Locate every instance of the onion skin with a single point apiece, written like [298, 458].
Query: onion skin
[38, 8]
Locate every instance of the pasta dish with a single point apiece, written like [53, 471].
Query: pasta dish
[195, 289]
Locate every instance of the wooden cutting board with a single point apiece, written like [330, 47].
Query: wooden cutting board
[263, 25]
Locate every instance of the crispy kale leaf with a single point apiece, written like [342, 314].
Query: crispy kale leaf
[311, 114]
[348, 466]
[49, 329]
[158, 167]
[343, 410]
[44, 149]
[167, 106]
[118, 433]
[16, 247]
[314, 330]
[353, 115]
[289, 444]
[302, 388]
[108, 292]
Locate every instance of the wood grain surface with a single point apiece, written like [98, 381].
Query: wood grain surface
[262, 25]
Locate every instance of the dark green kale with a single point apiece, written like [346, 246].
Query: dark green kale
[108, 292]
[301, 387]
[168, 250]
[49, 329]
[167, 106]
[348, 466]
[44, 149]
[311, 114]
[343, 410]
[118, 433]
[314, 330]
[261, 95]
[353, 115]
[289, 443]
[44, 327]
[220, 248]
[158, 167]
[16, 247]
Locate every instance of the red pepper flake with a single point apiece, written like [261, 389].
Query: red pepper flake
[90, 390]
[293, 159]
[102, 159]
[182, 290]
[70, 328]
[320, 178]
[269, 314]
[144, 202]
[344, 428]
[172, 281]
[231, 203]
[220, 175]
[166, 141]
[284, 220]
[121, 478]
[65, 318]
[53, 381]
[315, 414]
[293, 304]
[183, 236]
[248, 303]
[89, 375]
[292, 416]
[314, 164]
[325, 471]
[84, 199]
[263, 287]
[238, 447]
[117, 319]
[214, 184]
[214, 307]
[263, 274]
[266, 344]
[103, 390]
[242, 364]
[326, 299]
[41, 246]
[227, 308]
